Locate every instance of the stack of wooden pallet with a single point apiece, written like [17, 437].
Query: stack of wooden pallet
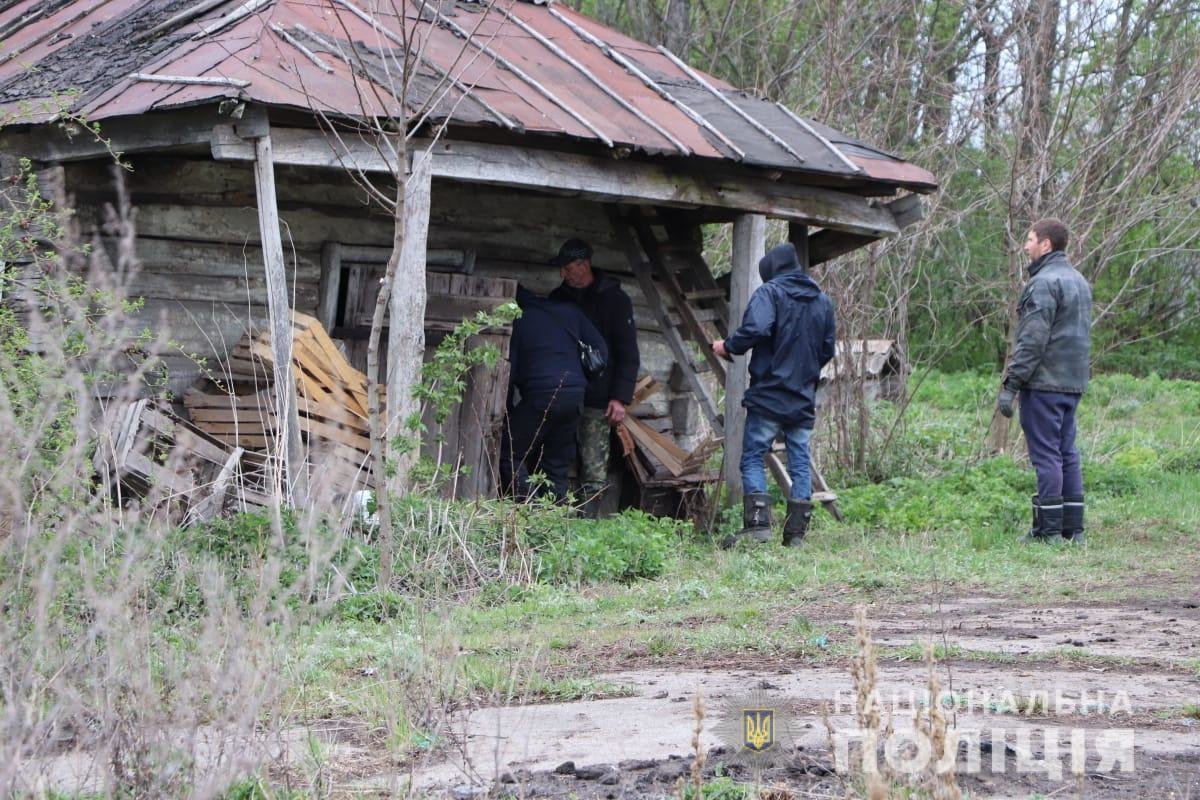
[159, 459]
[331, 402]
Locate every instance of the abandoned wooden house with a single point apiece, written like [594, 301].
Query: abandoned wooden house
[250, 129]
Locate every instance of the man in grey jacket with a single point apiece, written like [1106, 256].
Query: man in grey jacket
[1049, 372]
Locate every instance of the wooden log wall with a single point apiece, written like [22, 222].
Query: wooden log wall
[202, 274]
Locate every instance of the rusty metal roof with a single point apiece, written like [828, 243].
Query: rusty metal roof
[524, 69]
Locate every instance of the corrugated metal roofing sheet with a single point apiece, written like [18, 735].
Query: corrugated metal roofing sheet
[532, 69]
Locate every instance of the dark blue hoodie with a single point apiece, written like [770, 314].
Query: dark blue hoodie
[544, 350]
[789, 323]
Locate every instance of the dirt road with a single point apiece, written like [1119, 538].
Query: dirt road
[1116, 685]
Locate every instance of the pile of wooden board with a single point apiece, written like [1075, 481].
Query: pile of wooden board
[331, 403]
[654, 458]
[155, 457]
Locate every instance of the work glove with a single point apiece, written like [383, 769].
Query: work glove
[1004, 401]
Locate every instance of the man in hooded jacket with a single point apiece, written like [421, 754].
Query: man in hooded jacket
[789, 323]
[601, 299]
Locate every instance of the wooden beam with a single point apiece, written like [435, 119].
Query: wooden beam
[280, 312]
[828, 244]
[146, 132]
[605, 179]
[798, 236]
[331, 280]
[583, 176]
[406, 306]
[749, 245]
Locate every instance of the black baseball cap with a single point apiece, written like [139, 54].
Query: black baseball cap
[572, 250]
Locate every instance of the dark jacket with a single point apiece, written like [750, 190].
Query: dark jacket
[1052, 343]
[789, 323]
[544, 349]
[608, 308]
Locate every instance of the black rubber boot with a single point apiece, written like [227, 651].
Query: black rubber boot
[756, 520]
[1052, 518]
[1047, 521]
[592, 499]
[1072, 529]
[795, 525]
[1035, 531]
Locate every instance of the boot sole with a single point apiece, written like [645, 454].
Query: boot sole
[1029, 539]
[755, 537]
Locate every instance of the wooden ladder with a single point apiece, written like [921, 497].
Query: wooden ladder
[692, 311]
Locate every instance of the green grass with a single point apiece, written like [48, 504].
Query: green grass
[945, 522]
[934, 520]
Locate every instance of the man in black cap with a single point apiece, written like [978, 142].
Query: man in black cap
[602, 301]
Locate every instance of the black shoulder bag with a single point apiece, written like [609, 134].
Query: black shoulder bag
[589, 357]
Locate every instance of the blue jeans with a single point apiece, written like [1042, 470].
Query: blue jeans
[759, 436]
[1048, 420]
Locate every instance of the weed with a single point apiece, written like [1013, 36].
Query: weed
[719, 788]
[628, 546]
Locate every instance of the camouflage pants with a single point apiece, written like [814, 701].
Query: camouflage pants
[594, 435]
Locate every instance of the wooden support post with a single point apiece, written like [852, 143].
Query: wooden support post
[295, 484]
[331, 279]
[749, 245]
[798, 235]
[406, 308]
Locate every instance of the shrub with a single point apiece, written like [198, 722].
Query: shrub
[987, 494]
[626, 547]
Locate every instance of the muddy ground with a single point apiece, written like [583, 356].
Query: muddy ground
[1116, 684]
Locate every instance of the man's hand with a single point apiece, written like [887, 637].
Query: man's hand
[718, 347]
[615, 412]
[1004, 401]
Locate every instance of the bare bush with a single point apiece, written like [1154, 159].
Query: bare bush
[133, 662]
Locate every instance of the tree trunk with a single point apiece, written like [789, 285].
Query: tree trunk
[406, 334]
[678, 26]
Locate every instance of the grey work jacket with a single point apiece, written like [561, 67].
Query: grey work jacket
[1054, 324]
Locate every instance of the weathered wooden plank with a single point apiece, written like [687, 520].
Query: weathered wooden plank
[306, 229]
[654, 446]
[211, 505]
[214, 259]
[154, 131]
[331, 281]
[586, 176]
[224, 291]
[827, 245]
[629, 180]
[281, 318]
[677, 346]
[798, 236]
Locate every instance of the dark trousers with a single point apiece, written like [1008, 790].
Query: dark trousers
[539, 436]
[1048, 420]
